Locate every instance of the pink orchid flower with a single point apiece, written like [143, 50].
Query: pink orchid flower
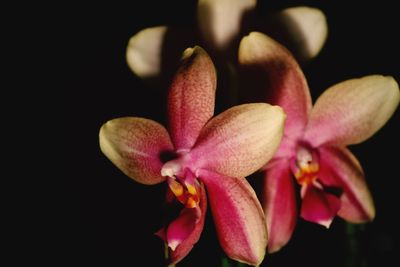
[210, 155]
[313, 149]
[152, 52]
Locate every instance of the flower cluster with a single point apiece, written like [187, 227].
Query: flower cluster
[204, 159]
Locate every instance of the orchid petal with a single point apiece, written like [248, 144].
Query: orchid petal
[180, 228]
[269, 66]
[279, 203]
[318, 206]
[238, 217]
[191, 97]
[352, 111]
[340, 168]
[302, 29]
[220, 21]
[144, 51]
[136, 146]
[153, 54]
[240, 140]
[187, 244]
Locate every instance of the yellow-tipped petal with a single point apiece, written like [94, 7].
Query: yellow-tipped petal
[135, 146]
[352, 111]
[240, 140]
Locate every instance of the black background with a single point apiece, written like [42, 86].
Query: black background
[110, 219]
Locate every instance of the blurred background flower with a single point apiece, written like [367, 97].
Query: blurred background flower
[153, 52]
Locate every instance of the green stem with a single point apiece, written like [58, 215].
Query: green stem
[353, 250]
[166, 255]
[225, 262]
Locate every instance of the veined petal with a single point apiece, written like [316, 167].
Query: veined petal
[191, 97]
[302, 29]
[318, 206]
[220, 21]
[153, 54]
[279, 204]
[352, 111]
[187, 244]
[340, 168]
[240, 140]
[136, 146]
[238, 217]
[269, 68]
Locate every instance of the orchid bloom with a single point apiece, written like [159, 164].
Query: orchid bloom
[313, 149]
[209, 155]
[221, 23]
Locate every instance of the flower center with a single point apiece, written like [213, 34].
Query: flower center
[186, 189]
[305, 166]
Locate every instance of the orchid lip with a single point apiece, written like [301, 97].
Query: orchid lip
[171, 169]
[176, 167]
[305, 165]
[182, 182]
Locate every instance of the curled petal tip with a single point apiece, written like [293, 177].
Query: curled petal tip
[326, 223]
[195, 51]
[187, 53]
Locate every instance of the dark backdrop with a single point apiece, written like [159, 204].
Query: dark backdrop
[110, 219]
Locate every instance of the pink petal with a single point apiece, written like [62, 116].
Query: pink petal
[220, 21]
[238, 217]
[153, 53]
[269, 68]
[318, 206]
[302, 29]
[136, 146]
[352, 111]
[182, 227]
[287, 148]
[279, 203]
[187, 243]
[240, 140]
[340, 168]
[191, 97]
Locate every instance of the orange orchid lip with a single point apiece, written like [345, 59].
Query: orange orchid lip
[305, 167]
[187, 193]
